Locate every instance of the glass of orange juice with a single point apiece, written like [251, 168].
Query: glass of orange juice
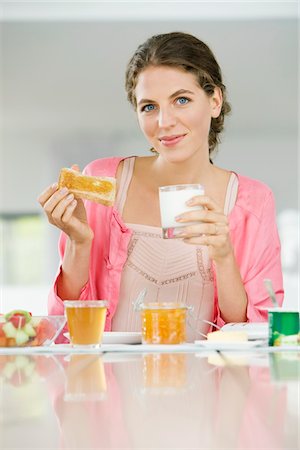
[86, 321]
[163, 323]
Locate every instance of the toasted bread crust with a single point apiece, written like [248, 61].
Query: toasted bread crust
[96, 189]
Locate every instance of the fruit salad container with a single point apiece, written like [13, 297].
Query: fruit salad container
[19, 328]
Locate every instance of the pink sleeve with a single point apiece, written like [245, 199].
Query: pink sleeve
[258, 256]
[266, 263]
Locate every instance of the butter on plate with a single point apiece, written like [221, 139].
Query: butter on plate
[227, 336]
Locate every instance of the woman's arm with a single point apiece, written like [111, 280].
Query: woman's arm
[212, 229]
[232, 297]
[69, 215]
[75, 269]
[240, 264]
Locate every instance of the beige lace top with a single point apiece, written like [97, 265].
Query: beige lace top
[170, 270]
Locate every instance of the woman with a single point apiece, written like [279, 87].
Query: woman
[219, 264]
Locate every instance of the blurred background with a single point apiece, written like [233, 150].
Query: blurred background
[63, 102]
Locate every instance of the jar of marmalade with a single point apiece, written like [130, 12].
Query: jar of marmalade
[163, 323]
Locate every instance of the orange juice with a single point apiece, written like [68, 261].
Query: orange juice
[163, 323]
[86, 321]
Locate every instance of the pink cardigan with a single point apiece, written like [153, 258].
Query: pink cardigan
[253, 234]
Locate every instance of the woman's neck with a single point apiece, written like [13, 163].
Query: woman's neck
[193, 170]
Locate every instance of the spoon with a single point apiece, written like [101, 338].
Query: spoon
[139, 300]
[269, 287]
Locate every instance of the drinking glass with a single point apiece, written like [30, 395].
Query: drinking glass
[172, 201]
[86, 321]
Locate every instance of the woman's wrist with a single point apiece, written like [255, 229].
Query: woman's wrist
[85, 241]
[226, 260]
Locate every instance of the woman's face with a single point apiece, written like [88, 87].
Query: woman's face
[174, 112]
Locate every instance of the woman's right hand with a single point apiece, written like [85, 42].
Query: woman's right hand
[66, 213]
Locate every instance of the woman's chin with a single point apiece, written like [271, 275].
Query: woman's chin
[175, 155]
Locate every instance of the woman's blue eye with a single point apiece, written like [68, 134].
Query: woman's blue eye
[182, 100]
[148, 108]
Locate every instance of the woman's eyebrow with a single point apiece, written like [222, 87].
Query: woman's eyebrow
[145, 100]
[175, 94]
[180, 92]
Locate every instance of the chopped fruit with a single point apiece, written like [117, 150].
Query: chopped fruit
[18, 317]
[18, 328]
[44, 331]
[21, 337]
[11, 342]
[28, 328]
[9, 330]
[18, 320]
[35, 321]
[1, 329]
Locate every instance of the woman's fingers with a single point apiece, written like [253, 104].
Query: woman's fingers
[210, 212]
[205, 201]
[68, 212]
[47, 193]
[203, 215]
[54, 200]
[50, 190]
[217, 242]
[59, 210]
[210, 227]
[207, 229]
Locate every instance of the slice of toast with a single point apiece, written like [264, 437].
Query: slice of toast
[96, 189]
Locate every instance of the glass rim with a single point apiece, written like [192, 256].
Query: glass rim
[163, 305]
[178, 187]
[85, 303]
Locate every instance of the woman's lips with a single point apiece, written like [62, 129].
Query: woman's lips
[169, 141]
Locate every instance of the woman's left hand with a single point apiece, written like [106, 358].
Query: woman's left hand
[210, 227]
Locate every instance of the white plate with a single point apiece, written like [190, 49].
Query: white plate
[118, 337]
[244, 345]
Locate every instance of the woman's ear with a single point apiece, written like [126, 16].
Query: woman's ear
[216, 102]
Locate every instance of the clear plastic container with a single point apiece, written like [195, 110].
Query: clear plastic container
[163, 323]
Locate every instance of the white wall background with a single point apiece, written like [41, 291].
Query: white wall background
[63, 101]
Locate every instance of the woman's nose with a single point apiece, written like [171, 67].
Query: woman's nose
[166, 118]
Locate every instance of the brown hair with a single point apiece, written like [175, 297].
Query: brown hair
[183, 51]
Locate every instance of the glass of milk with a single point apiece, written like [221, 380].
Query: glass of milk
[172, 200]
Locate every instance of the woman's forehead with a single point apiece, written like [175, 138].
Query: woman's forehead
[164, 79]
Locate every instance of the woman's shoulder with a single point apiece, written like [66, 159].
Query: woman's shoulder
[252, 185]
[253, 195]
[104, 166]
[113, 166]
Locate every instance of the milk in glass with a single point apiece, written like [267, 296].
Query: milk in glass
[172, 200]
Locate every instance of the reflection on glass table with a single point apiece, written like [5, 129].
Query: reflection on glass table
[158, 401]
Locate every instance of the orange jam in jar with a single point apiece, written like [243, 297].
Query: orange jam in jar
[163, 323]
